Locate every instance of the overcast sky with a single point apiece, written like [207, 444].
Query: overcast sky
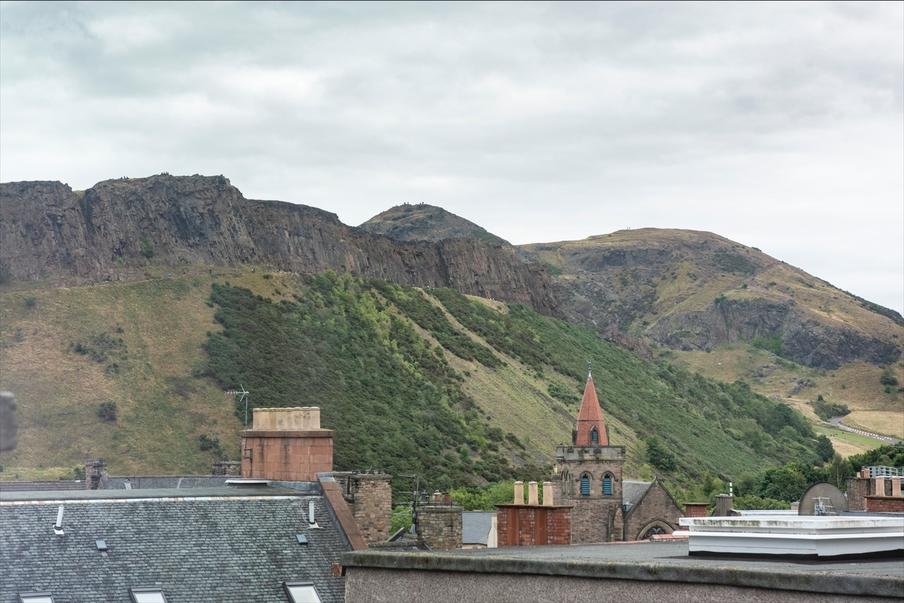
[777, 125]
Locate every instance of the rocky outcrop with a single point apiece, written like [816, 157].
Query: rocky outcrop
[797, 337]
[114, 229]
[693, 290]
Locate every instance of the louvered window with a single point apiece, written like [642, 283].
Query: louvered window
[607, 485]
[585, 485]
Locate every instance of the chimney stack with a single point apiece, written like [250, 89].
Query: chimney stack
[286, 444]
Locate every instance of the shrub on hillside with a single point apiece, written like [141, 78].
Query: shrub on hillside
[147, 250]
[751, 501]
[888, 378]
[826, 410]
[107, 411]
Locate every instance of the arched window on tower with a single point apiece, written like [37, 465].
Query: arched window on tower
[594, 436]
[607, 485]
[585, 484]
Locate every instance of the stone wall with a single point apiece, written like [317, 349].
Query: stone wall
[372, 505]
[857, 490]
[594, 518]
[530, 525]
[378, 585]
[439, 526]
[656, 508]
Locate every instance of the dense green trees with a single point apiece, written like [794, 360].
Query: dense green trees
[350, 347]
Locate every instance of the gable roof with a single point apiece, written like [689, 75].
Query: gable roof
[633, 491]
[196, 544]
[639, 491]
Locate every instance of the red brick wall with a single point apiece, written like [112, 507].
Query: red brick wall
[529, 525]
[696, 509]
[287, 455]
[885, 504]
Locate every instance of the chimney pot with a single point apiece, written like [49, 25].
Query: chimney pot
[547, 494]
[519, 493]
[532, 497]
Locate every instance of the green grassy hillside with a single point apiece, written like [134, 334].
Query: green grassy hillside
[459, 390]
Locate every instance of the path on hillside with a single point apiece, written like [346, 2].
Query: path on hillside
[836, 422]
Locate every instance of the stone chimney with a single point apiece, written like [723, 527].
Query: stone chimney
[95, 474]
[370, 498]
[724, 505]
[227, 468]
[439, 525]
[286, 444]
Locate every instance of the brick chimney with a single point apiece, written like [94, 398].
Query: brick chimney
[696, 509]
[286, 444]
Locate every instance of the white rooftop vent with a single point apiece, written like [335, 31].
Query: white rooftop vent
[247, 482]
[312, 522]
[58, 526]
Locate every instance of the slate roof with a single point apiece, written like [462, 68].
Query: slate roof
[118, 482]
[198, 545]
[42, 485]
[475, 527]
[633, 491]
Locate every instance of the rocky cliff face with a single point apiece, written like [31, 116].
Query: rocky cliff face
[116, 227]
[695, 290]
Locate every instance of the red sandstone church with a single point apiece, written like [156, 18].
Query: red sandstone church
[606, 507]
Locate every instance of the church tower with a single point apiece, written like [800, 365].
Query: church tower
[589, 475]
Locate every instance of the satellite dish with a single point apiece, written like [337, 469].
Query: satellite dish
[822, 499]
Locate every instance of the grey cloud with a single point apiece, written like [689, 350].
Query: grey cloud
[778, 124]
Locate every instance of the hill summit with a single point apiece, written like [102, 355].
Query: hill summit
[422, 222]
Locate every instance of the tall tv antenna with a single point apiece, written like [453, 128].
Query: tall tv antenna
[243, 397]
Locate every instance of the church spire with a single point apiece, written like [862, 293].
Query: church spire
[590, 429]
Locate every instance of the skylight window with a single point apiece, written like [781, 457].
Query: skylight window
[301, 592]
[148, 595]
[35, 598]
